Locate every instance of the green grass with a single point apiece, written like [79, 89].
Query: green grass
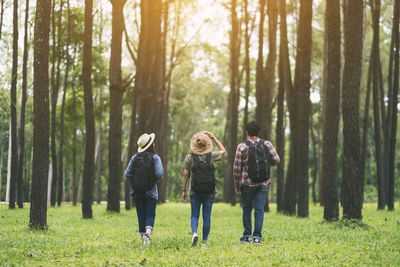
[112, 239]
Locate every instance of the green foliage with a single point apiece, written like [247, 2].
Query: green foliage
[112, 239]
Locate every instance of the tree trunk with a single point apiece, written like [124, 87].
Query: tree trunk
[375, 10]
[54, 97]
[353, 44]
[247, 68]
[99, 159]
[331, 112]
[116, 93]
[285, 84]
[73, 182]
[392, 118]
[40, 165]
[21, 126]
[315, 159]
[88, 169]
[1, 169]
[265, 83]
[302, 96]
[61, 148]
[231, 127]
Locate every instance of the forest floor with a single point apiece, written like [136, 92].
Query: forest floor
[111, 239]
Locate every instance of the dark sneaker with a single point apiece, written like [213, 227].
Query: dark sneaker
[194, 240]
[257, 240]
[245, 239]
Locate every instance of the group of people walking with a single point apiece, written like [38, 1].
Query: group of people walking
[251, 172]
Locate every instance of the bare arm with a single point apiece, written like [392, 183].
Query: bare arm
[184, 184]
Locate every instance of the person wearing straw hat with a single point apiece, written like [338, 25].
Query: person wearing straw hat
[144, 171]
[199, 164]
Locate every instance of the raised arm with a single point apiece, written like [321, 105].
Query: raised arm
[217, 142]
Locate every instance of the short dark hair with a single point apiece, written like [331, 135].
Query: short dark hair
[253, 128]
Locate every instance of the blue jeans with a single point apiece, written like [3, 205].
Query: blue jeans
[254, 196]
[196, 201]
[146, 210]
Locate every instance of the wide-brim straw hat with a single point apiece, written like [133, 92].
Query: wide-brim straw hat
[145, 141]
[201, 143]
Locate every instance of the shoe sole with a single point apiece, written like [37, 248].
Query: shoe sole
[194, 241]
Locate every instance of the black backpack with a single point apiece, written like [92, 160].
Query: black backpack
[203, 177]
[258, 165]
[143, 178]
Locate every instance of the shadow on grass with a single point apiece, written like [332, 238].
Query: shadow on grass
[349, 223]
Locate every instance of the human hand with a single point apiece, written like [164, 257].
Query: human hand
[237, 189]
[269, 182]
[184, 196]
[209, 134]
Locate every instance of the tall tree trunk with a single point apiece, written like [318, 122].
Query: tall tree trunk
[40, 164]
[65, 85]
[353, 44]
[265, 83]
[375, 10]
[392, 117]
[88, 168]
[315, 159]
[1, 169]
[116, 93]
[246, 67]
[13, 107]
[54, 97]
[364, 147]
[231, 127]
[302, 96]
[285, 84]
[331, 112]
[99, 159]
[24, 98]
[73, 182]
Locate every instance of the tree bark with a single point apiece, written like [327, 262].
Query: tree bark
[392, 117]
[13, 108]
[353, 44]
[73, 182]
[1, 17]
[331, 112]
[246, 67]
[302, 96]
[40, 165]
[285, 84]
[231, 126]
[24, 98]
[65, 85]
[116, 93]
[88, 168]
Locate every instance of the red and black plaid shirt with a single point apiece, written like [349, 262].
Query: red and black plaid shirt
[240, 165]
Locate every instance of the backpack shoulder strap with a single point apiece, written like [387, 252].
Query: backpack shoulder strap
[208, 158]
[248, 143]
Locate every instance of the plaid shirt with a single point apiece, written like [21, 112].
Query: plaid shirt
[240, 165]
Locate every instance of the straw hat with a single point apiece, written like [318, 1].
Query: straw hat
[145, 141]
[201, 144]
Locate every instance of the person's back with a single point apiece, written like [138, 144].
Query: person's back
[251, 174]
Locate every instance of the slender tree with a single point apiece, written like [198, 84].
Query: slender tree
[246, 66]
[285, 83]
[65, 86]
[231, 126]
[331, 112]
[24, 98]
[13, 108]
[116, 93]
[392, 112]
[1, 16]
[40, 164]
[353, 45]
[88, 168]
[302, 96]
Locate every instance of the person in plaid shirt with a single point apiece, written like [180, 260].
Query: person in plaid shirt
[252, 193]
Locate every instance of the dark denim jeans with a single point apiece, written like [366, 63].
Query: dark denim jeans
[146, 210]
[253, 196]
[196, 201]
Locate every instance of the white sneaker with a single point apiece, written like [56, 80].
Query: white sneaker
[146, 240]
[194, 240]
